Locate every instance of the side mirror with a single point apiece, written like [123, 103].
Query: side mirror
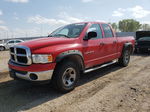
[90, 35]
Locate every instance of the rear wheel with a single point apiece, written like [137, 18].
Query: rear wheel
[2, 48]
[124, 60]
[65, 76]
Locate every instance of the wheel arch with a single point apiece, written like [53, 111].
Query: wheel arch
[71, 55]
[121, 60]
[3, 47]
[129, 46]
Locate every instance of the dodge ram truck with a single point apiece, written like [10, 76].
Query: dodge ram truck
[68, 52]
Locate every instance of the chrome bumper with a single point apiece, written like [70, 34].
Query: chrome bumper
[32, 76]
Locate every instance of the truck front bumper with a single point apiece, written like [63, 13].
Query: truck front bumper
[31, 76]
[34, 73]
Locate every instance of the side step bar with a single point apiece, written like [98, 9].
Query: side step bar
[104, 65]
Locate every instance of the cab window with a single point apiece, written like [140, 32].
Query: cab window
[107, 31]
[95, 28]
[64, 31]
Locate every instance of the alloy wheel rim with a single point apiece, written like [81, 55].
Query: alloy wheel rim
[127, 56]
[69, 77]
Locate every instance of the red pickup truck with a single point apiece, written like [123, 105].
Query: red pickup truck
[67, 52]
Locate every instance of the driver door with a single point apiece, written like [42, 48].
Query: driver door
[92, 48]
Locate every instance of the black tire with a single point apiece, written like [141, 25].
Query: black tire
[61, 77]
[125, 58]
[2, 48]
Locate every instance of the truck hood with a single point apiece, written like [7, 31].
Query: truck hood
[47, 41]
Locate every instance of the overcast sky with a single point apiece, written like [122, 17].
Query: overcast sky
[21, 18]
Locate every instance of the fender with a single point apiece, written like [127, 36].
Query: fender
[68, 53]
[3, 47]
[128, 45]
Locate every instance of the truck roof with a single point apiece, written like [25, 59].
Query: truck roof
[92, 22]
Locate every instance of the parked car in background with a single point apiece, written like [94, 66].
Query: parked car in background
[9, 43]
[142, 41]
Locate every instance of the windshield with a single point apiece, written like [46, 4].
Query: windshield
[70, 31]
[144, 39]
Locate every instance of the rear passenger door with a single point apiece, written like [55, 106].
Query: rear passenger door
[109, 43]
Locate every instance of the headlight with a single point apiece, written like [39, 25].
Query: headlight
[42, 58]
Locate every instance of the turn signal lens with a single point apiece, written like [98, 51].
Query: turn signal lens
[50, 58]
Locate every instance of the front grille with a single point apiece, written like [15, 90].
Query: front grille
[12, 50]
[20, 51]
[20, 55]
[22, 59]
[12, 57]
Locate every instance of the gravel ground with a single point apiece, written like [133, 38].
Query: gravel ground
[110, 89]
[4, 56]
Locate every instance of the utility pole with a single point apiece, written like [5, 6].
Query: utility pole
[7, 34]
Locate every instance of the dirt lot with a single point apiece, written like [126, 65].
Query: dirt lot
[4, 56]
[110, 89]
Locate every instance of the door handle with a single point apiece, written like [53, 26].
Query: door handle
[114, 42]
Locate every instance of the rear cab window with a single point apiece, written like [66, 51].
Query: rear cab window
[107, 31]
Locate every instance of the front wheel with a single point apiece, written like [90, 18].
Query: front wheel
[124, 60]
[65, 76]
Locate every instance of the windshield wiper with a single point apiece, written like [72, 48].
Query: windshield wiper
[58, 35]
[61, 35]
[50, 35]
